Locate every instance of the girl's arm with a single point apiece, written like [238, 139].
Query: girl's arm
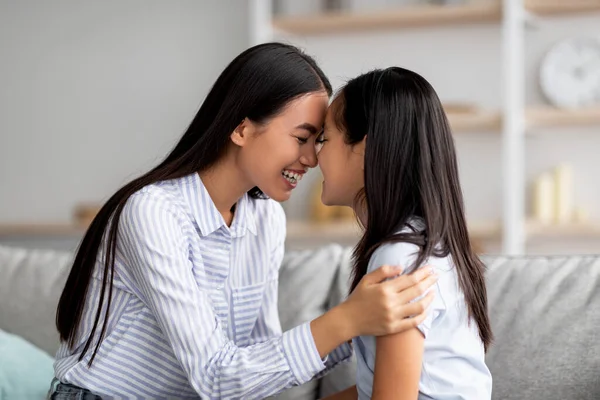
[398, 362]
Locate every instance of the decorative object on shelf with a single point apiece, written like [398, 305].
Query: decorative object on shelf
[553, 198]
[563, 185]
[319, 212]
[329, 6]
[543, 198]
[84, 214]
[570, 73]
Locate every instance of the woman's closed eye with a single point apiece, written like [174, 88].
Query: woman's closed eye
[302, 140]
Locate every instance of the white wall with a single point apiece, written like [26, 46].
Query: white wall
[464, 64]
[93, 93]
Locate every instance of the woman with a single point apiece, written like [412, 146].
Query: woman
[387, 151]
[173, 291]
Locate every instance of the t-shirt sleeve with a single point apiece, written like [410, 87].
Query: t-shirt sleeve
[404, 255]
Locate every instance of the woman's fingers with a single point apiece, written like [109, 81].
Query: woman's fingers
[409, 323]
[381, 274]
[412, 314]
[406, 310]
[419, 281]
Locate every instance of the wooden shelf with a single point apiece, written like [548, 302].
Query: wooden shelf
[422, 16]
[538, 117]
[407, 17]
[536, 230]
[349, 230]
[50, 229]
[535, 117]
[557, 7]
[477, 121]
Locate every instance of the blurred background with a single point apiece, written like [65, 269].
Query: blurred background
[94, 93]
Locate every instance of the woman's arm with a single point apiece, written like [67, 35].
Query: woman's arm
[398, 362]
[376, 307]
[348, 394]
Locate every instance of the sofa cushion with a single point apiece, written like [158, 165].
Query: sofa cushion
[25, 370]
[344, 375]
[30, 285]
[305, 281]
[545, 313]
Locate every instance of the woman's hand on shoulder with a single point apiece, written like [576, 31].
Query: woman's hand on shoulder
[382, 306]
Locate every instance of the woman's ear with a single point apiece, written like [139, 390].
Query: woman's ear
[240, 134]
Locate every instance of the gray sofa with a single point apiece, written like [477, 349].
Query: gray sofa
[545, 313]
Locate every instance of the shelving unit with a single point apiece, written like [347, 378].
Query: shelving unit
[514, 120]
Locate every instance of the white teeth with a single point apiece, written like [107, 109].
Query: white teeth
[292, 177]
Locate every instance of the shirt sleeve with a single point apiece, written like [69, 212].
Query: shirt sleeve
[405, 255]
[341, 354]
[155, 249]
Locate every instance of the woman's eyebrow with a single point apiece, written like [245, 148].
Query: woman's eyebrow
[309, 127]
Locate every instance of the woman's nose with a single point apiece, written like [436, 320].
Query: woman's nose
[309, 157]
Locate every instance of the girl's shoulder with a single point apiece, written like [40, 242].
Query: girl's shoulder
[396, 254]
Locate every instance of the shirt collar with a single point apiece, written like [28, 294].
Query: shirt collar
[206, 215]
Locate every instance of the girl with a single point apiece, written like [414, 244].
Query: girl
[173, 291]
[387, 151]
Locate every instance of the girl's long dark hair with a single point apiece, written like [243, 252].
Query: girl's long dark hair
[257, 85]
[410, 171]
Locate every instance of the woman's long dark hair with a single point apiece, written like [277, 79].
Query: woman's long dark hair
[410, 171]
[257, 84]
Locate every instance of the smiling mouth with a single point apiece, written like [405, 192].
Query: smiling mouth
[292, 177]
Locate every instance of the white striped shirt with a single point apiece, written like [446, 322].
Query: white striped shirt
[194, 310]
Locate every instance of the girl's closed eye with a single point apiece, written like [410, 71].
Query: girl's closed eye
[321, 138]
[320, 141]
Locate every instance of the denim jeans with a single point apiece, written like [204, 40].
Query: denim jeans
[66, 391]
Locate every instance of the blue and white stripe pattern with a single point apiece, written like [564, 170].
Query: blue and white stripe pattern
[194, 311]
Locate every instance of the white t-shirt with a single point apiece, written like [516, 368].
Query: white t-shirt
[454, 359]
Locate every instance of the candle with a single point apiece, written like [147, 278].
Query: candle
[543, 198]
[564, 194]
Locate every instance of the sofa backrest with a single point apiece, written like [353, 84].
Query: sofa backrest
[31, 282]
[545, 314]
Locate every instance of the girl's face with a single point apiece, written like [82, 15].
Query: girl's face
[342, 164]
[275, 155]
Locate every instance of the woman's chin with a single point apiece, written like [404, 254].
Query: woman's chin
[278, 195]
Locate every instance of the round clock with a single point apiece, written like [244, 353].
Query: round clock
[570, 73]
